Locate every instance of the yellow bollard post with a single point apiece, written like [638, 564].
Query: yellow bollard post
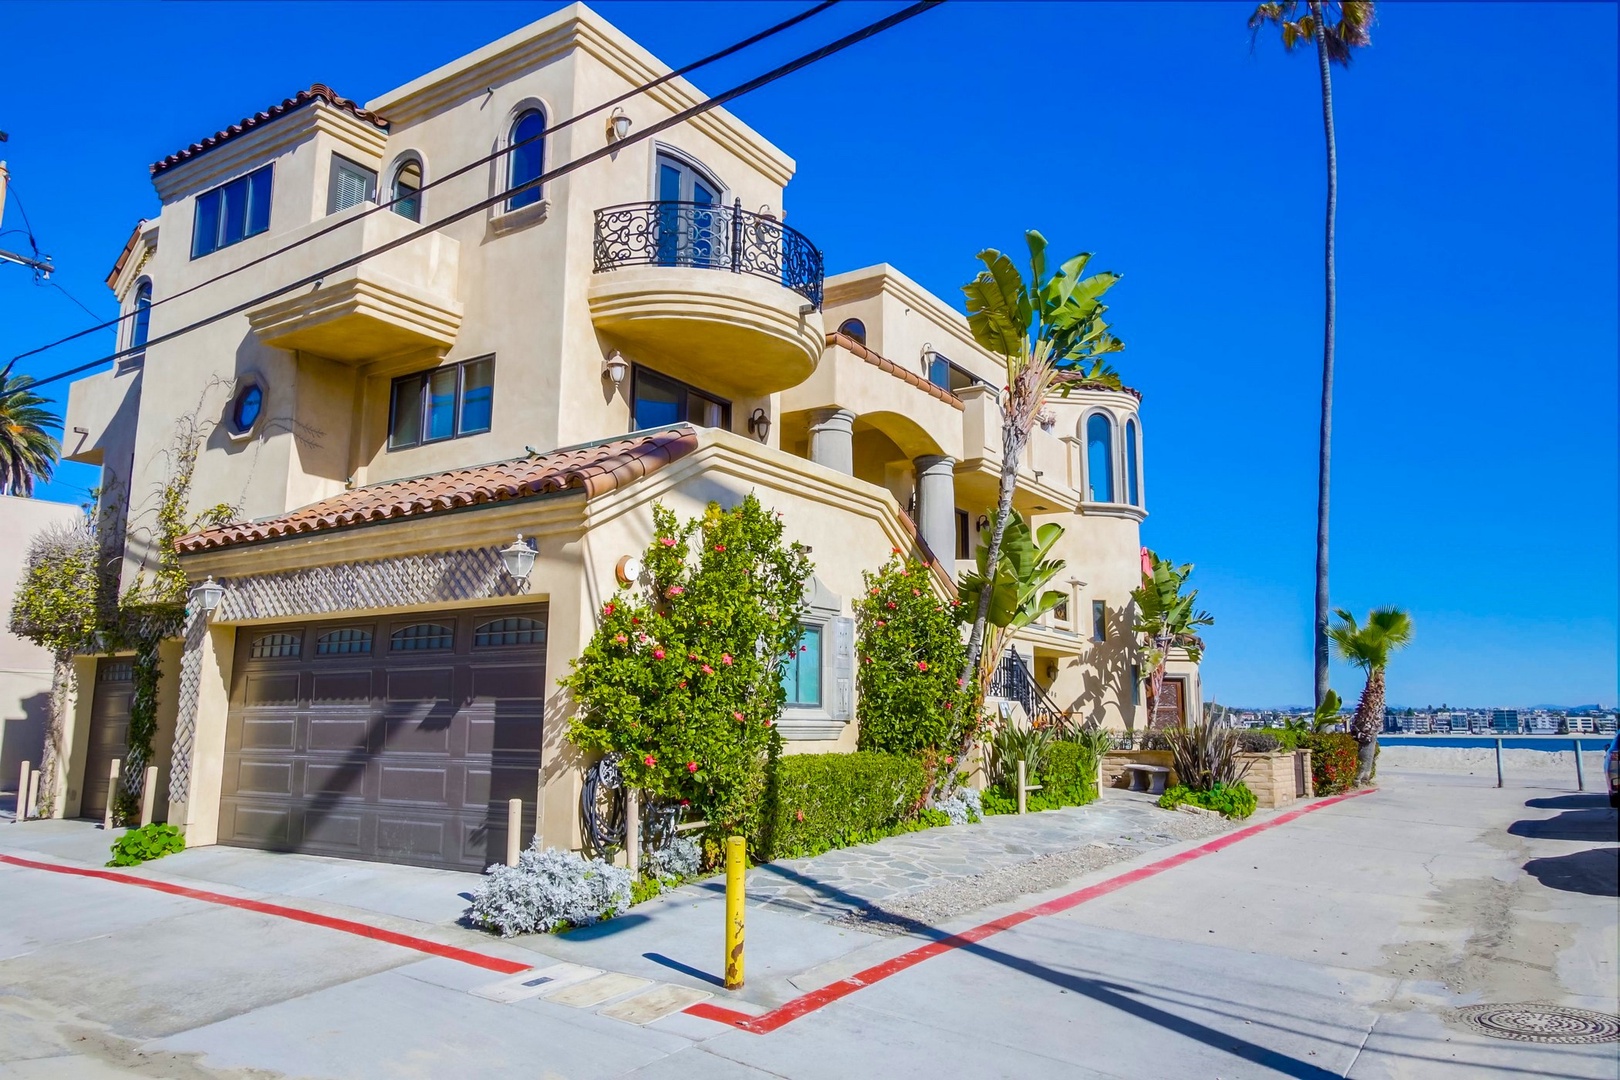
[736, 866]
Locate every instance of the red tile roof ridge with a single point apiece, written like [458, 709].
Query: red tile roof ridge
[595, 468]
[316, 92]
[882, 363]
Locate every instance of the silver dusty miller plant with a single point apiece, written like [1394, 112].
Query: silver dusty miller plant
[549, 890]
[680, 858]
[962, 806]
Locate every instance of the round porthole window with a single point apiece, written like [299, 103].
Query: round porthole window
[249, 403]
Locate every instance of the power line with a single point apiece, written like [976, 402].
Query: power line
[868, 31]
[58, 286]
[729, 50]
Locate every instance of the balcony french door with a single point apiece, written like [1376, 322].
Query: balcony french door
[692, 225]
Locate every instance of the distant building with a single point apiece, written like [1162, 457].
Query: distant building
[1505, 721]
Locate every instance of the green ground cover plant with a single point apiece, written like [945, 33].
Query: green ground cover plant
[145, 844]
[1232, 800]
[1067, 774]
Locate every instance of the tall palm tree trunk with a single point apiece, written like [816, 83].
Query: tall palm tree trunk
[1325, 446]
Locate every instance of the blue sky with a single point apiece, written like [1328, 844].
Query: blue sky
[1475, 432]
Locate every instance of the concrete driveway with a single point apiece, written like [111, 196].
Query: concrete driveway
[1339, 942]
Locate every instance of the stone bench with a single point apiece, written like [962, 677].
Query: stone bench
[1148, 778]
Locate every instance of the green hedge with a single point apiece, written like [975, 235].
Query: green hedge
[1068, 777]
[1236, 801]
[823, 801]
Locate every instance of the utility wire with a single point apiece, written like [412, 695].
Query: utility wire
[59, 287]
[871, 30]
[729, 50]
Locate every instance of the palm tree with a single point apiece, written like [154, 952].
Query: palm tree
[28, 451]
[1167, 616]
[1050, 332]
[1017, 590]
[1369, 648]
[1334, 42]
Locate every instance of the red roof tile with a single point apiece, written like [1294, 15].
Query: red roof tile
[317, 92]
[884, 364]
[595, 469]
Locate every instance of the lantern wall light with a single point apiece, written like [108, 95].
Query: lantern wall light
[518, 559]
[618, 126]
[206, 597]
[615, 367]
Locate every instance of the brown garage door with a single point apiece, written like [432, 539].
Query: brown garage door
[398, 740]
[109, 731]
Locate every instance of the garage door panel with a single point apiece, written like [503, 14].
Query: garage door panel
[109, 732]
[402, 755]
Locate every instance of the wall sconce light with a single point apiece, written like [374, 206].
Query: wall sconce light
[1051, 670]
[518, 559]
[982, 524]
[927, 356]
[614, 368]
[206, 597]
[618, 126]
[759, 425]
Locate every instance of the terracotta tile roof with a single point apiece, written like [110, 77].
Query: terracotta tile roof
[123, 256]
[317, 92]
[884, 364]
[595, 469]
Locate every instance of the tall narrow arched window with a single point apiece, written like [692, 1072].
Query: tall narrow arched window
[406, 193]
[1133, 483]
[140, 325]
[1099, 459]
[527, 161]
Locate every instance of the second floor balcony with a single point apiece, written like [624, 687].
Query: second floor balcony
[718, 295]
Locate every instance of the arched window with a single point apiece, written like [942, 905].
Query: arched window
[343, 642]
[527, 161]
[1099, 459]
[853, 328]
[405, 191]
[509, 631]
[140, 325]
[421, 636]
[276, 646]
[1133, 484]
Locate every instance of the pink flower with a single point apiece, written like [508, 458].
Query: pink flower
[738, 716]
[961, 682]
[916, 592]
[725, 658]
[880, 622]
[622, 639]
[922, 665]
[691, 766]
[608, 609]
[874, 592]
[799, 814]
[667, 541]
[635, 620]
[692, 656]
[868, 659]
[674, 590]
[804, 648]
[767, 722]
[719, 547]
[949, 760]
[649, 761]
[950, 705]
[707, 670]
[658, 654]
[891, 605]
[686, 802]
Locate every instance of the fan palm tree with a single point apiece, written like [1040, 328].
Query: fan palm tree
[1369, 647]
[1050, 333]
[1335, 40]
[1167, 615]
[28, 451]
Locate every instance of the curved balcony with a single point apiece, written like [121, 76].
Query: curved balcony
[717, 295]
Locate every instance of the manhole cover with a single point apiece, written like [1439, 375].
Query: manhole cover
[1537, 1022]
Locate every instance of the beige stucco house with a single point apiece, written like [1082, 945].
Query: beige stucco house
[647, 328]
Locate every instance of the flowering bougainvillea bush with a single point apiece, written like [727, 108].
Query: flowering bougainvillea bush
[549, 890]
[683, 676]
[1335, 758]
[911, 658]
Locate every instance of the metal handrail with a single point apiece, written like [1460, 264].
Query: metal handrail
[1014, 680]
[711, 237]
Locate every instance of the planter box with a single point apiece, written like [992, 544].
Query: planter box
[1113, 765]
[1275, 779]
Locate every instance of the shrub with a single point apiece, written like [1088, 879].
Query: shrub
[1009, 746]
[824, 801]
[146, 843]
[963, 806]
[1205, 755]
[549, 890]
[680, 858]
[911, 660]
[1286, 738]
[1069, 773]
[1258, 742]
[1233, 800]
[683, 678]
[1335, 757]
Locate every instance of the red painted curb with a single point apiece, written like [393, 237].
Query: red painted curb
[347, 926]
[815, 999]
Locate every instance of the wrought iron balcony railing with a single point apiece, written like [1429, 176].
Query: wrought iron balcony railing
[711, 237]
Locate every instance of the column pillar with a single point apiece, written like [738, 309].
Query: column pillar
[936, 504]
[832, 439]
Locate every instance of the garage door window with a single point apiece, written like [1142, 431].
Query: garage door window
[115, 671]
[421, 636]
[514, 631]
[276, 646]
[343, 643]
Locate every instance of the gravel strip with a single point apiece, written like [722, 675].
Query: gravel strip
[919, 912]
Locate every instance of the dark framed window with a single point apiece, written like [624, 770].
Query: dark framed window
[1099, 620]
[527, 161]
[659, 401]
[1133, 490]
[232, 212]
[947, 375]
[276, 646]
[116, 671]
[801, 671]
[350, 184]
[445, 403]
[964, 539]
[1136, 685]
[140, 325]
[421, 637]
[1099, 458]
[406, 193]
[343, 643]
[1061, 611]
[512, 630]
[853, 328]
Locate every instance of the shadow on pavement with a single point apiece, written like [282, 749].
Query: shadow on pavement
[1595, 872]
[1602, 826]
[685, 969]
[1585, 800]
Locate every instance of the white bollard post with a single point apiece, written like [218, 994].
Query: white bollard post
[22, 792]
[1580, 772]
[149, 795]
[1498, 762]
[539, 804]
[112, 790]
[33, 793]
[632, 828]
[514, 828]
[1020, 785]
